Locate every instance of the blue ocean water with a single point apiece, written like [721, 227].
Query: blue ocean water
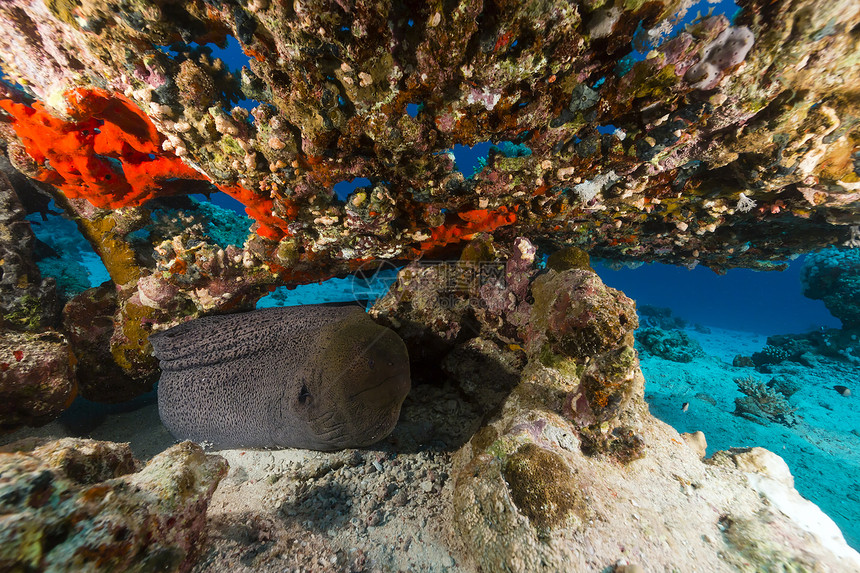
[764, 302]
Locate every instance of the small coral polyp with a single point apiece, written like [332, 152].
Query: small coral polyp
[110, 154]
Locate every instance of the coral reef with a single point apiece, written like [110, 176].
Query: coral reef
[833, 276]
[728, 145]
[763, 403]
[708, 141]
[659, 317]
[73, 505]
[507, 311]
[807, 348]
[568, 470]
[574, 314]
[37, 366]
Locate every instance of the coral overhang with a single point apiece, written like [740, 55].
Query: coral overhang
[632, 160]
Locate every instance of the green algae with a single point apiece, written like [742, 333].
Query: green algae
[543, 488]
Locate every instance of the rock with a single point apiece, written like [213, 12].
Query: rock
[472, 362]
[808, 359]
[674, 345]
[740, 361]
[436, 308]
[769, 476]
[73, 505]
[571, 465]
[27, 301]
[697, 442]
[574, 314]
[37, 378]
[760, 461]
[784, 385]
[659, 317]
[575, 516]
[89, 320]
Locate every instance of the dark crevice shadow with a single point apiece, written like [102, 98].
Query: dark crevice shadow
[445, 409]
[84, 416]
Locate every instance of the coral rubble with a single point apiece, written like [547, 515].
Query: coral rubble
[72, 505]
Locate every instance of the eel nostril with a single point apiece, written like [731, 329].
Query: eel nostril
[304, 394]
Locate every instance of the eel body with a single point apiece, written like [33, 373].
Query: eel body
[316, 377]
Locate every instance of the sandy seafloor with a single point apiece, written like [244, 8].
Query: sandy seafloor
[822, 449]
[382, 508]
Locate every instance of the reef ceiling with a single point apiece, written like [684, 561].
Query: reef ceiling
[723, 144]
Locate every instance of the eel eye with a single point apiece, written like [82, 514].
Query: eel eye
[304, 395]
[370, 363]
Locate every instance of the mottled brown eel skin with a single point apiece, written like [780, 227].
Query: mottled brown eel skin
[316, 377]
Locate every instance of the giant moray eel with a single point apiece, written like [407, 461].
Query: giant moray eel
[317, 377]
